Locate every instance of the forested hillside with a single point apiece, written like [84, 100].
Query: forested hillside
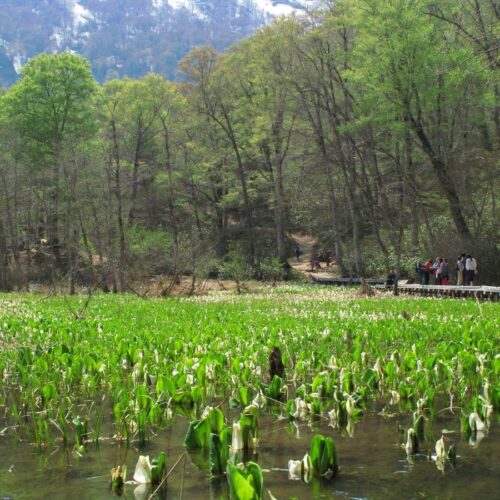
[373, 125]
[127, 37]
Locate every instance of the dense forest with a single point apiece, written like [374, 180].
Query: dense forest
[372, 125]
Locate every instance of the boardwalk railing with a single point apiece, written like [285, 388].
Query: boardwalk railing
[320, 280]
[479, 292]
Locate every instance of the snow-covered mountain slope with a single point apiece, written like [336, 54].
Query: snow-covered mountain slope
[128, 37]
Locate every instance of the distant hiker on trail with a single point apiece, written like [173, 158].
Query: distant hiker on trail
[317, 264]
[459, 269]
[312, 261]
[470, 270]
[328, 260]
[298, 253]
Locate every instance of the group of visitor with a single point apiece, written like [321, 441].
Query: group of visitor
[317, 257]
[466, 268]
[439, 271]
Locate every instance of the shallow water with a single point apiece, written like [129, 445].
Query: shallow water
[372, 464]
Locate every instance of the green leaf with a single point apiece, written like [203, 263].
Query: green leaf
[323, 455]
[197, 435]
[245, 483]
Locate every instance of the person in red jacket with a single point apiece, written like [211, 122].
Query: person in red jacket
[427, 271]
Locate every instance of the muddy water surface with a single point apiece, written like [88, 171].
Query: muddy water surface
[373, 465]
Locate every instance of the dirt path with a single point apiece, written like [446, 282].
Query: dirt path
[306, 243]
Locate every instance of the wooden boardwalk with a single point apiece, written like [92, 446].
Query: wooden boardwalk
[479, 292]
[344, 281]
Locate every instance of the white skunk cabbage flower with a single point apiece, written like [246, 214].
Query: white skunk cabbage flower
[487, 410]
[135, 373]
[420, 405]
[255, 442]
[440, 450]
[486, 390]
[333, 416]
[350, 427]
[142, 473]
[410, 441]
[475, 423]
[251, 408]
[237, 440]
[297, 468]
[332, 363]
[350, 404]
[294, 469]
[210, 371]
[284, 390]
[300, 409]
[481, 358]
[363, 358]
[259, 400]
[395, 397]
[206, 412]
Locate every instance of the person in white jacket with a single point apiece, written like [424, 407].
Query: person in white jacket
[470, 269]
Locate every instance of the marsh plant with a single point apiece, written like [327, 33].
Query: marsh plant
[131, 366]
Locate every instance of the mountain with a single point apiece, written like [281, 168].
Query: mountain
[128, 37]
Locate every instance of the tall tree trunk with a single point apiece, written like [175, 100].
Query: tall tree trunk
[4, 260]
[411, 192]
[119, 208]
[171, 194]
[244, 188]
[445, 182]
[135, 180]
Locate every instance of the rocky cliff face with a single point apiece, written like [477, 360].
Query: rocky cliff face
[128, 37]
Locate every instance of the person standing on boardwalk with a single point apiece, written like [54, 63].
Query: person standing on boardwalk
[470, 269]
[463, 269]
[445, 272]
[427, 271]
[420, 269]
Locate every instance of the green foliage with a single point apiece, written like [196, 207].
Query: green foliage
[219, 451]
[271, 269]
[52, 103]
[158, 468]
[323, 456]
[245, 482]
[150, 250]
[235, 268]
